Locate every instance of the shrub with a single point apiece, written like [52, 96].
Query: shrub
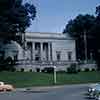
[7, 64]
[61, 71]
[48, 70]
[37, 69]
[86, 70]
[22, 70]
[79, 70]
[72, 68]
[30, 70]
[92, 69]
[13, 69]
[69, 70]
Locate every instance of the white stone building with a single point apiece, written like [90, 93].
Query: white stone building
[42, 50]
[50, 47]
[45, 50]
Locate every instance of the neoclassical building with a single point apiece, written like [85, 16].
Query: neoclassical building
[50, 47]
[42, 50]
[45, 50]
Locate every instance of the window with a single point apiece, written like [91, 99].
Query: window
[58, 54]
[69, 55]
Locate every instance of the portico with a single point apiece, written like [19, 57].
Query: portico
[50, 47]
[39, 51]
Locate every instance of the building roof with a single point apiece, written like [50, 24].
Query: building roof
[48, 35]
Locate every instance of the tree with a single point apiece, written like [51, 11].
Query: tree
[79, 27]
[96, 33]
[15, 17]
[98, 10]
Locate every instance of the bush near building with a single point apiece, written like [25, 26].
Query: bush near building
[48, 70]
[72, 68]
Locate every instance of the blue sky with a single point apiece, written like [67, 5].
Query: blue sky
[53, 15]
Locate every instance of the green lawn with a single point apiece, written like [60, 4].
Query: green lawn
[28, 79]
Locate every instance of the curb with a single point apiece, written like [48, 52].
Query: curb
[46, 88]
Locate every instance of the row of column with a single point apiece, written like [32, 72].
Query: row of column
[41, 51]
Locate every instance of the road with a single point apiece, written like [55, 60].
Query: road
[68, 92]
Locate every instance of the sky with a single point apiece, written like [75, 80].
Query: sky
[53, 15]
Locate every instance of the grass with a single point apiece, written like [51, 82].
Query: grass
[28, 79]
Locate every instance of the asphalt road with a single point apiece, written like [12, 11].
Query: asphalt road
[69, 92]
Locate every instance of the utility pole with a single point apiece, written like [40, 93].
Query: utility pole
[85, 47]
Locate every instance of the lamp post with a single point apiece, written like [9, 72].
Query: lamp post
[55, 79]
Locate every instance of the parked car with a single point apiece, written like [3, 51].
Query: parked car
[6, 87]
[97, 94]
[92, 90]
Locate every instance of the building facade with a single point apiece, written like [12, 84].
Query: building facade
[41, 50]
[50, 47]
[46, 50]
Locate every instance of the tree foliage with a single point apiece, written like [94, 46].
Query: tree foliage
[96, 31]
[98, 10]
[76, 28]
[79, 25]
[15, 17]
[91, 26]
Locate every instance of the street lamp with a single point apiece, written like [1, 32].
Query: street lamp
[55, 79]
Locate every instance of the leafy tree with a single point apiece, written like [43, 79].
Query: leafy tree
[96, 33]
[98, 10]
[77, 27]
[15, 17]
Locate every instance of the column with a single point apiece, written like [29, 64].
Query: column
[49, 53]
[33, 50]
[41, 51]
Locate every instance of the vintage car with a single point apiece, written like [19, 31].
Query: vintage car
[92, 90]
[6, 87]
[97, 93]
